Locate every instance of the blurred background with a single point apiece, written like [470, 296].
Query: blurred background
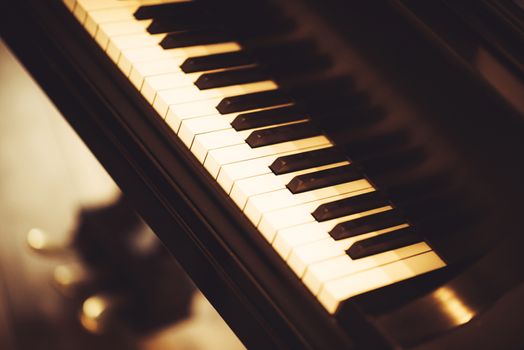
[78, 268]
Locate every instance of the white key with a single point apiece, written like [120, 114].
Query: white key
[177, 113]
[258, 205]
[325, 247]
[141, 70]
[252, 167]
[216, 158]
[70, 4]
[245, 188]
[166, 98]
[196, 126]
[324, 271]
[108, 30]
[97, 17]
[285, 231]
[83, 7]
[336, 291]
[119, 43]
[166, 81]
[203, 143]
[129, 57]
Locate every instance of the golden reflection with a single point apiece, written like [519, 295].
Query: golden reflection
[458, 312]
[63, 275]
[91, 315]
[69, 278]
[36, 239]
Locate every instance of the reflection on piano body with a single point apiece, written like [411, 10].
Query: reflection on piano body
[332, 174]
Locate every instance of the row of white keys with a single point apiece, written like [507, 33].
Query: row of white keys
[206, 142]
[230, 173]
[319, 273]
[217, 158]
[175, 87]
[243, 189]
[321, 246]
[327, 270]
[82, 8]
[179, 86]
[283, 218]
[188, 128]
[114, 17]
[130, 57]
[336, 291]
[168, 99]
[261, 208]
[295, 226]
[137, 52]
[202, 143]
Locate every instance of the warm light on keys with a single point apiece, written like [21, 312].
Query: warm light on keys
[334, 292]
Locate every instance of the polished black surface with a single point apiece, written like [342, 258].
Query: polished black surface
[384, 243]
[231, 77]
[323, 178]
[304, 160]
[252, 101]
[194, 37]
[349, 206]
[367, 224]
[284, 133]
[267, 117]
[216, 61]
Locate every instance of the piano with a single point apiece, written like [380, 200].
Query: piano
[331, 174]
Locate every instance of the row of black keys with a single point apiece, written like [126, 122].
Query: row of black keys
[204, 23]
[182, 17]
[324, 178]
[191, 24]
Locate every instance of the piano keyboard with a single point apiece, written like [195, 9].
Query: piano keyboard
[317, 210]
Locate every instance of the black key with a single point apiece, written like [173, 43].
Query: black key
[290, 49]
[260, 27]
[271, 54]
[291, 67]
[171, 24]
[252, 101]
[305, 160]
[323, 89]
[195, 37]
[231, 77]
[283, 133]
[373, 145]
[168, 10]
[216, 61]
[324, 178]
[267, 117]
[383, 243]
[395, 161]
[414, 189]
[368, 223]
[349, 206]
